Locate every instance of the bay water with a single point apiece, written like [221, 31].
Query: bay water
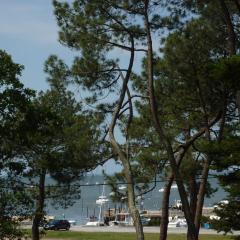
[86, 206]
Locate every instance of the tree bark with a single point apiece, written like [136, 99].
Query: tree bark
[160, 131]
[193, 189]
[238, 102]
[165, 201]
[165, 209]
[202, 187]
[122, 155]
[130, 189]
[39, 207]
[131, 200]
[232, 39]
[230, 28]
[201, 195]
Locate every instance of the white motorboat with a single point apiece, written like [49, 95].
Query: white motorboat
[125, 219]
[161, 190]
[122, 187]
[177, 222]
[94, 223]
[72, 222]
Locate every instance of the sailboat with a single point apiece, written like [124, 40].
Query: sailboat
[101, 201]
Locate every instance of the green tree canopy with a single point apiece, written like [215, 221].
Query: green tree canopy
[15, 101]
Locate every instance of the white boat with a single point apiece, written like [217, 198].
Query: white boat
[177, 222]
[101, 201]
[161, 190]
[125, 219]
[122, 219]
[174, 186]
[94, 223]
[72, 222]
[122, 187]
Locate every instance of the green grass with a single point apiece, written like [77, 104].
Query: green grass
[121, 236]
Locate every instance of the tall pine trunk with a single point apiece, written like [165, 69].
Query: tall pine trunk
[232, 38]
[193, 189]
[165, 209]
[161, 133]
[39, 207]
[201, 195]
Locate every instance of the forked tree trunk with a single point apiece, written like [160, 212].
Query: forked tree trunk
[185, 204]
[123, 156]
[205, 173]
[39, 207]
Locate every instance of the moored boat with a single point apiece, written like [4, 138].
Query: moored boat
[101, 201]
[177, 222]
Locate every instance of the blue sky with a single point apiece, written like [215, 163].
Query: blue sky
[29, 33]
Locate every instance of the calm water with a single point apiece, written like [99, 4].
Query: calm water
[86, 206]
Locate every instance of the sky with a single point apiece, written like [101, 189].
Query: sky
[29, 33]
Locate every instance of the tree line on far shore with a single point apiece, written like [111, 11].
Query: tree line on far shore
[175, 115]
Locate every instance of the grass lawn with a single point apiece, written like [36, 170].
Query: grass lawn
[121, 236]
